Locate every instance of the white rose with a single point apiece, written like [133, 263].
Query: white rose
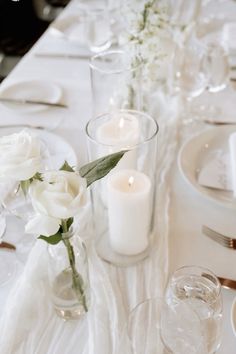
[59, 196]
[19, 156]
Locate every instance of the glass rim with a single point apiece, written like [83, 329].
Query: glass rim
[205, 272]
[106, 71]
[129, 111]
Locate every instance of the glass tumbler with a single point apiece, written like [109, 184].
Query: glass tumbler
[123, 201]
[115, 82]
[192, 320]
[96, 24]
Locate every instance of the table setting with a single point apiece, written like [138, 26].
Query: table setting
[117, 181]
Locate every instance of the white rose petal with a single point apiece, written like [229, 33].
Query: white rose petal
[43, 225]
[60, 195]
[19, 156]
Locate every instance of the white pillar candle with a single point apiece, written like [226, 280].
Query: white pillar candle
[120, 133]
[129, 211]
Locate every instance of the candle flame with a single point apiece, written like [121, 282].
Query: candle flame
[121, 123]
[131, 181]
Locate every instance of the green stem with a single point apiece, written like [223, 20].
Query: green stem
[76, 277]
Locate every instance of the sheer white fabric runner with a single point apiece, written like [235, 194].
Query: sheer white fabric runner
[29, 324]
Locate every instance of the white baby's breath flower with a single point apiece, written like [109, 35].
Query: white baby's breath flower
[20, 156]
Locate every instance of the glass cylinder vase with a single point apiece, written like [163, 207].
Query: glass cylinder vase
[69, 276]
[123, 201]
[115, 81]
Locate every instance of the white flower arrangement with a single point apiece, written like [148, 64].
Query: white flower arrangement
[149, 38]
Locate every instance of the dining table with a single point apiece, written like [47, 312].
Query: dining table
[28, 323]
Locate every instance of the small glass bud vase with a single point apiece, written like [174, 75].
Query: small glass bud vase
[69, 276]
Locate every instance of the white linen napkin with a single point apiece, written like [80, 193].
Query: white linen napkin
[216, 173]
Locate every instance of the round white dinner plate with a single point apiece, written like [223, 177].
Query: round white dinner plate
[38, 90]
[59, 150]
[195, 153]
[233, 316]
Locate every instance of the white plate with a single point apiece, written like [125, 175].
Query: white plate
[233, 316]
[70, 27]
[38, 90]
[195, 153]
[59, 149]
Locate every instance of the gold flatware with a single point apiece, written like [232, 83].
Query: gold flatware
[227, 283]
[29, 126]
[218, 122]
[7, 245]
[223, 240]
[29, 101]
[63, 56]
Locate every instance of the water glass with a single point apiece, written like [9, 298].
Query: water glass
[216, 66]
[96, 24]
[192, 320]
[123, 201]
[142, 333]
[115, 82]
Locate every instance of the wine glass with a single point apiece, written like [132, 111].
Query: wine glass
[192, 320]
[154, 327]
[189, 78]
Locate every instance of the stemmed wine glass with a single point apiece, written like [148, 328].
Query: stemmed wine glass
[191, 321]
[189, 78]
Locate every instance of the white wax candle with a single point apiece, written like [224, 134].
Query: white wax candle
[129, 211]
[232, 149]
[120, 133]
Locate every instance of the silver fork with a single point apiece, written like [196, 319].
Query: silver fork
[223, 240]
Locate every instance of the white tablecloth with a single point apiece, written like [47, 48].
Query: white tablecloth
[28, 322]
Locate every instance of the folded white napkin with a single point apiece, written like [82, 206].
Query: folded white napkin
[216, 173]
[232, 149]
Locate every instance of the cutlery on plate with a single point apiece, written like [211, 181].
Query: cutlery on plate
[7, 245]
[218, 122]
[227, 283]
[223, 240]
[63, 55]
[29, 101]
[29, 126]
[224, 282]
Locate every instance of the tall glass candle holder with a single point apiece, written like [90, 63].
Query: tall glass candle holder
[123, 201]
[115, 81]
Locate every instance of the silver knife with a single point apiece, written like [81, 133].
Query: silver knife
[29, 101]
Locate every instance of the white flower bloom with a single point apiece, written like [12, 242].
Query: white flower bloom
[59, 196]
[19, 156]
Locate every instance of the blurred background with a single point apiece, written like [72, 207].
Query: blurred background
[22, 22]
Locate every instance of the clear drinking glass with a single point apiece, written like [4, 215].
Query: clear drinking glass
[96, 24]
[190, 79]
[192, 320]
[143, 328]
[216, 66]
[115, 82]
[123, 201]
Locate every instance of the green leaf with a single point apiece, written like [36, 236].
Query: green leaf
[98, 169]
[37, 176]
[25, 186]
[66, 167]
[69, 223]
[53, 240]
